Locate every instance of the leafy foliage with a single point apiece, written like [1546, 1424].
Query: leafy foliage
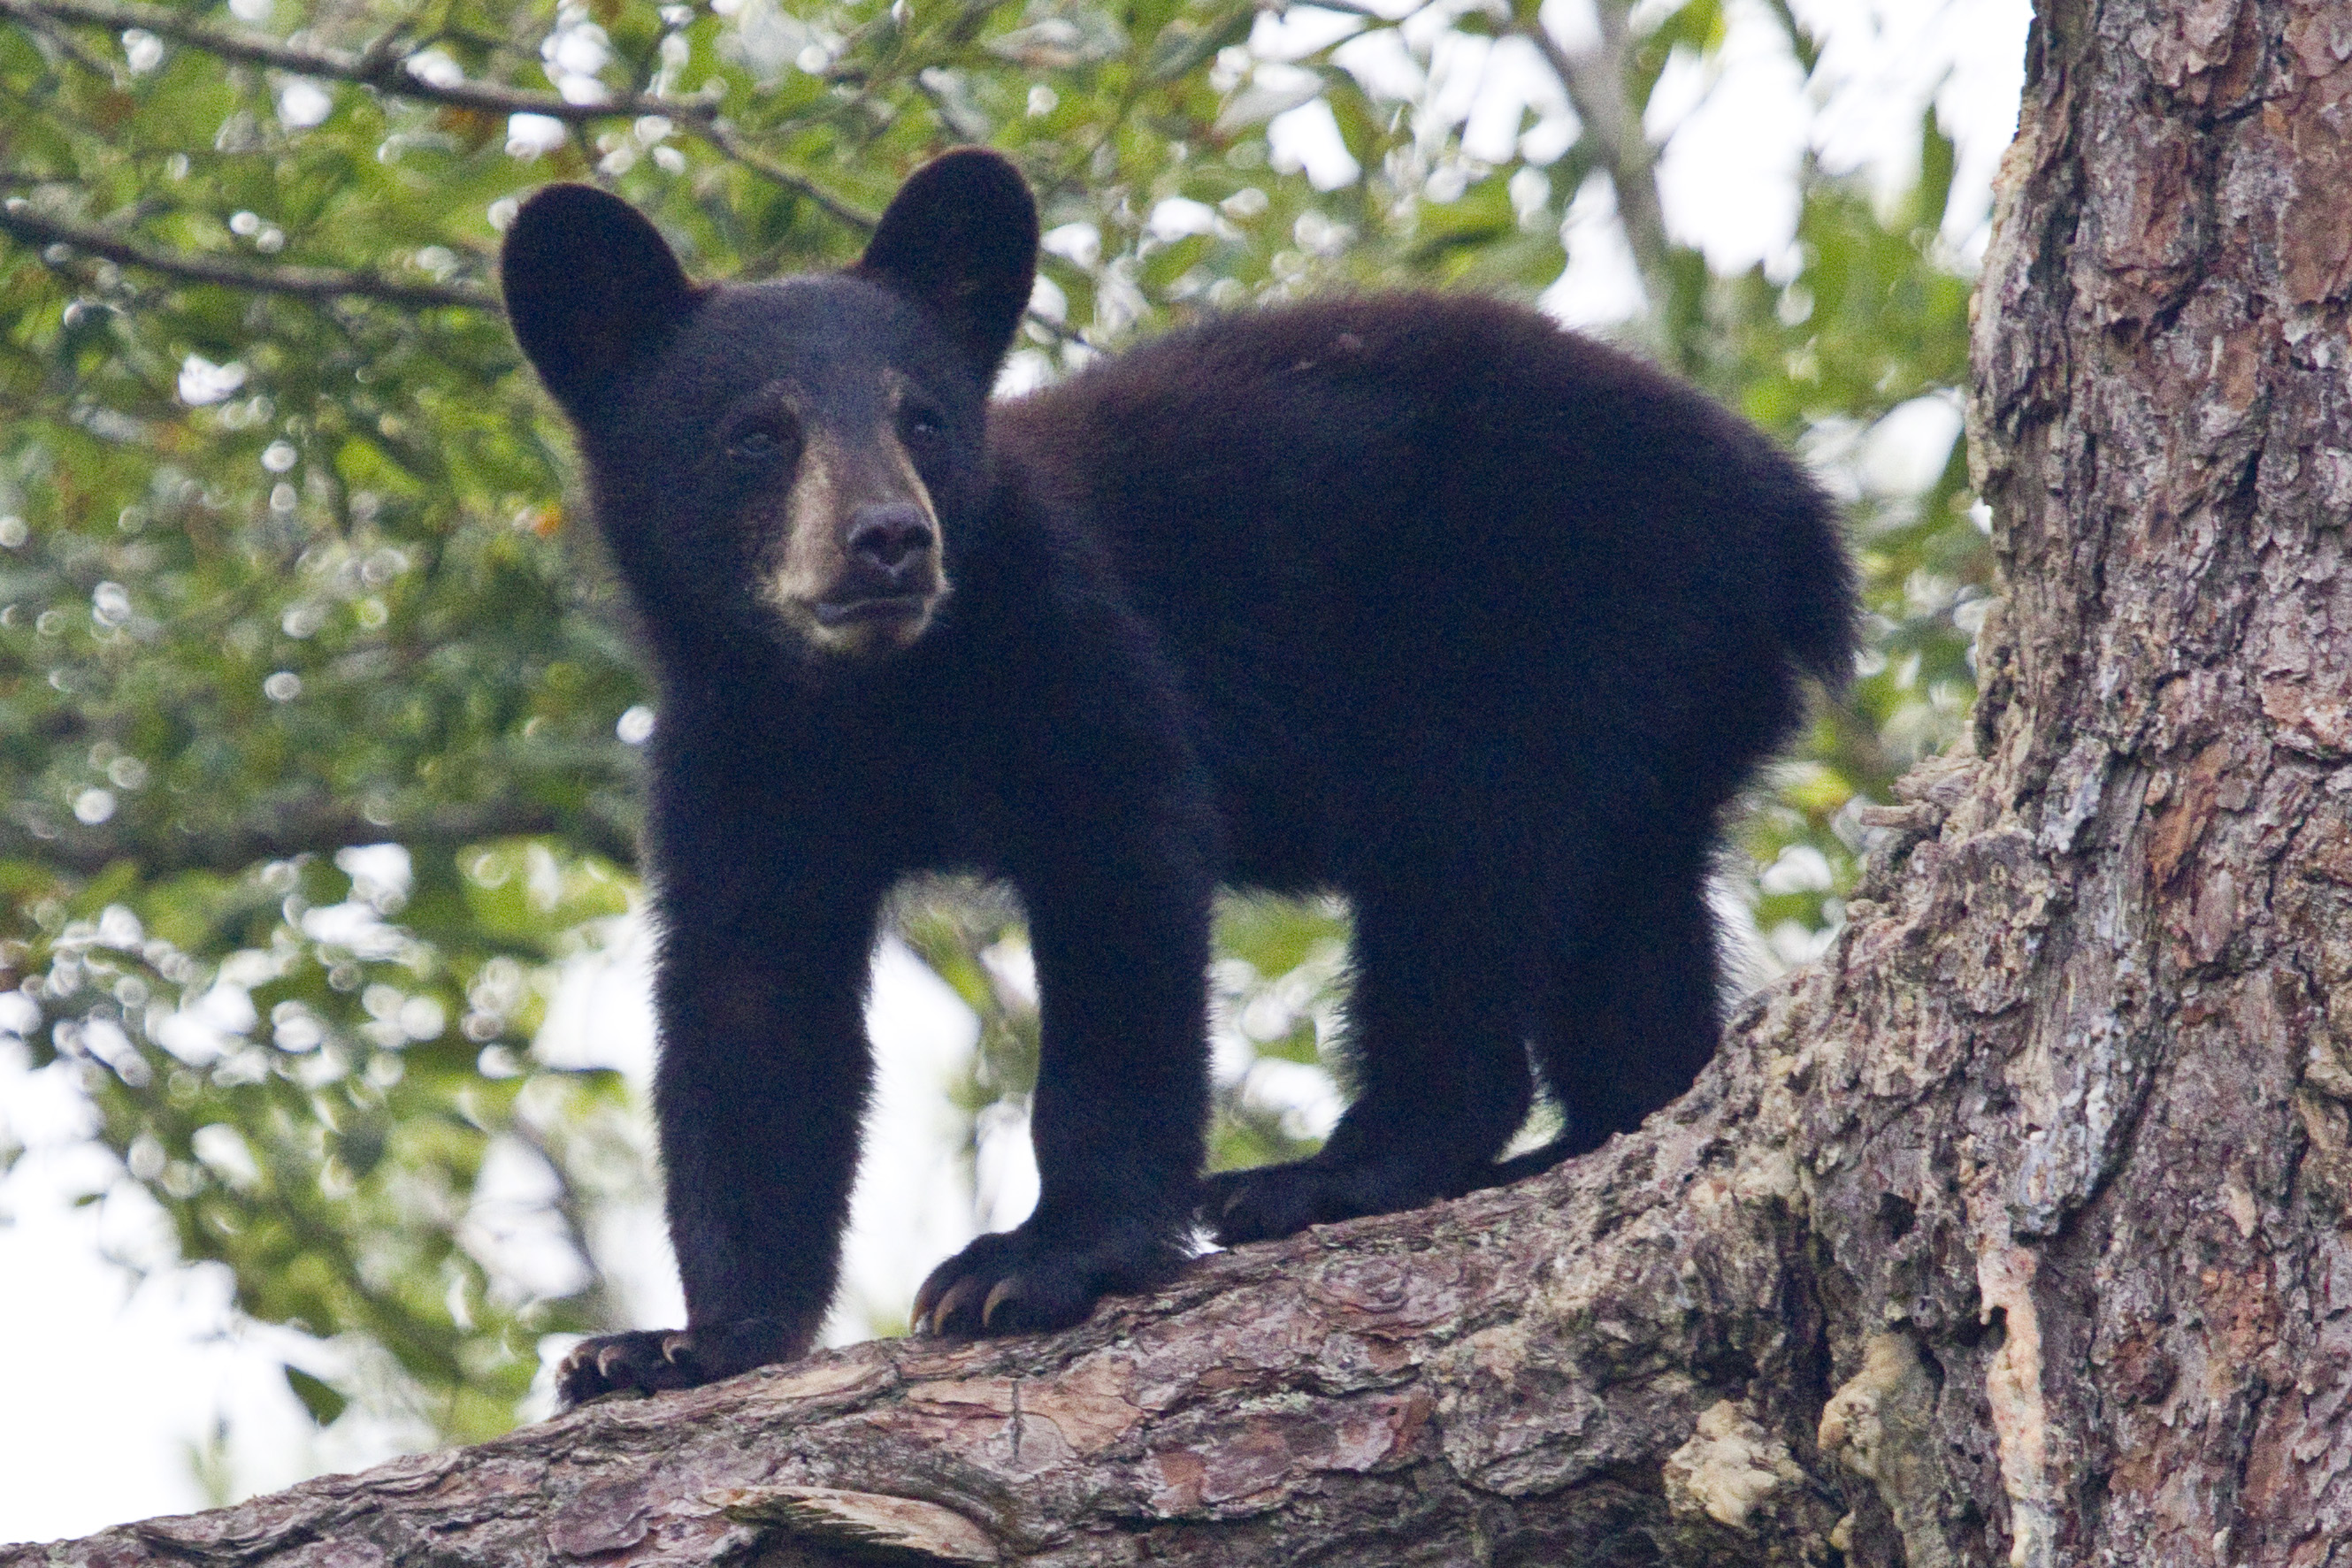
[1870, 334]
[317, 713]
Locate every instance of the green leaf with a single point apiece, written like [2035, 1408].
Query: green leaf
[321, 1399]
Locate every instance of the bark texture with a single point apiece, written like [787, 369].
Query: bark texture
[2015, 1231]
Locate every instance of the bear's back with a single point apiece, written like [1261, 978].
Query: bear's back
[1374, 528]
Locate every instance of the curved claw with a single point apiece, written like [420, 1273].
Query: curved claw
[927, 1300]
[957, 1304]
[1008, 1292]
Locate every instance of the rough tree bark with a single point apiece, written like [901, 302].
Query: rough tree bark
[2014, 1230]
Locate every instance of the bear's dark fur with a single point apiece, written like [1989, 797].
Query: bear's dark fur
[1417, 598]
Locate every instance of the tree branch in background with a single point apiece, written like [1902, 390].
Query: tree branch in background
[721, 137]
[332, 283]
[17, 219]
[1594, 80]
[387, 69]
[376, 65]
[312, 826]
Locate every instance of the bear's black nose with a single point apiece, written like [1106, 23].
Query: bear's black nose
[889, 535]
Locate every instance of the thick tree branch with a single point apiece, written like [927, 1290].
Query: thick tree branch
[1509, 1367]
[19, 221]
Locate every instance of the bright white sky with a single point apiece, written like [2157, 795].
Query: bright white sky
[126, 1380]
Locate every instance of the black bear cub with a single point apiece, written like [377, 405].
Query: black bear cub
[1415, 597]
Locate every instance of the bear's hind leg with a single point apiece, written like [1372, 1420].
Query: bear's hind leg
[1629, 1012]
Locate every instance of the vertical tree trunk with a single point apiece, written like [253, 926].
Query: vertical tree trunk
[2014, 1232]
[2132, 938]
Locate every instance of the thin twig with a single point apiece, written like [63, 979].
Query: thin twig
[722, 139]
[21, 222]
[373, 67]
[1594, 81]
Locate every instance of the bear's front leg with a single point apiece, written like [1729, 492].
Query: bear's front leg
[761, 1082]
[1119, 928]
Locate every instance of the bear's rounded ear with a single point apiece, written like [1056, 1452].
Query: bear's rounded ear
[590, 286]
[960, 238]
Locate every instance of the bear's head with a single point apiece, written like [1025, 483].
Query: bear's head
[787, 461]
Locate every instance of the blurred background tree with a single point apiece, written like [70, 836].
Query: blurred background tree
[318, 711]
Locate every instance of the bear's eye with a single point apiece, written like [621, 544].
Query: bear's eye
[921, 421]
[760, 442]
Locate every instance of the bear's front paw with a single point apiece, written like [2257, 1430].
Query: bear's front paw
[645, 1360]
[648, 1360]
[1035, 1279]
[1273, 1201]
